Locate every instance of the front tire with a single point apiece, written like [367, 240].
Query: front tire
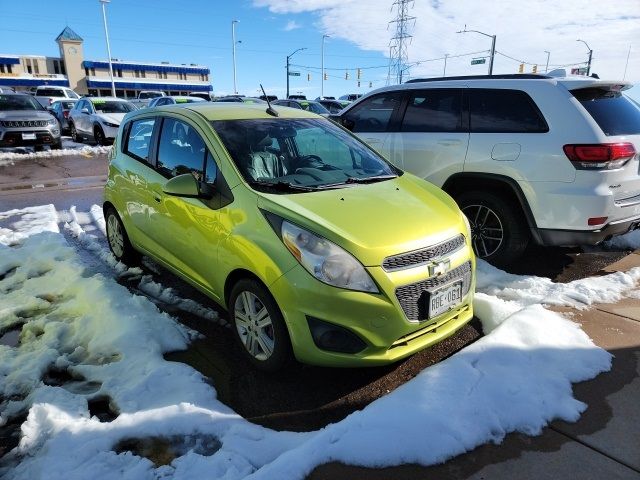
[118, 239]
[499, 234]
[57, 146]
[259, 326]
[74, 134]
[98, 135]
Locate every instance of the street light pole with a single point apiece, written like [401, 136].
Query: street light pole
[546, 68]
[493, 45]
[444, 71]
[288, 57]
[106, 35]
[322, 79]
[233, 39]
[590, 54]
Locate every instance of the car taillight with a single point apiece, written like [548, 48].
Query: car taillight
[65, 114]
[605, 156]
[50, 101]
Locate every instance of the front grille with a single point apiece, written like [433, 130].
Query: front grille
[24, 123]
[413, 298]
[424, 255]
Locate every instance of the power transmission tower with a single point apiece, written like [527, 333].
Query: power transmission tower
[398, 44]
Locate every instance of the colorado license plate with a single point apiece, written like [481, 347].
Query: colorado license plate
[28, 136]
[444, 299]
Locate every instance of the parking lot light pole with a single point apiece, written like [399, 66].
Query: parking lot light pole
[288, 57]
[493, 45]
[106, 35]
[444, 71]
[322, 74]
[546, 68]
[233, 40]
[590, 54]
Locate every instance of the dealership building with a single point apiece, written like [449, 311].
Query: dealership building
[70, 69]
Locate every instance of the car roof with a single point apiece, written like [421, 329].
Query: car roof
[234, 111]
[114, 99]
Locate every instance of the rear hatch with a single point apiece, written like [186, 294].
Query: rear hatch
[619, 119]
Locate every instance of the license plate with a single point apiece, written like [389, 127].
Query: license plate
[28, 136]
[444, 299]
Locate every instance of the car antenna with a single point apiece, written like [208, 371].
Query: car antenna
[270, 109]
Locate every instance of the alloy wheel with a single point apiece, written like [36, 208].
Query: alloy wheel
[487, 232]
[115, 236]
[254, 326]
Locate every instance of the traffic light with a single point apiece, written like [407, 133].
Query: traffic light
[308, 77]
[535, 69]
[346, 75]
[521, 68]
[370, 84]
[358, 83]
[359, 73]
[326, 77]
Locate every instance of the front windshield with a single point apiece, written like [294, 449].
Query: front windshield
[144, 95]
[18, 102]
[313, 107]
[108, 106]
[309, 153]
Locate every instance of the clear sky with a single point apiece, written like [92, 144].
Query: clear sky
[199, 31]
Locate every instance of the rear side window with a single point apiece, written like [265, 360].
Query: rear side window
[436, 110]
[49, 92]
[504, 111]
[138, 139]
[614, 113]
[181, 150]
[374, 114]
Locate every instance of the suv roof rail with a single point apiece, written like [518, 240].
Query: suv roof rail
[511, 76]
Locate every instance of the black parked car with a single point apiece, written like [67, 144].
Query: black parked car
[60, 110]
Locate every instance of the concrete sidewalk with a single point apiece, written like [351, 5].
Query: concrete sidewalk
[603, 444]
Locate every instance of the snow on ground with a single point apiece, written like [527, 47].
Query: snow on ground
[73, 317]
[69, 147]
[629, 240]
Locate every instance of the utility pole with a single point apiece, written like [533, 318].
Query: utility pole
[398, 55]
[590, 55]
[322, 74]
[288, 57]
[106, 35]
[444, 71]
[493, 46]
[626, 64]
[546, 68]
[233, 40]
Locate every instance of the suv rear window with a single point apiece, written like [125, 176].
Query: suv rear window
[614, 113]
[504, 111]
[50, 92]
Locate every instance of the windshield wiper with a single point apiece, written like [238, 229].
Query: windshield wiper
[375, 178]
[284, 186]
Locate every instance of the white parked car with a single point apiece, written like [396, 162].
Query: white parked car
[46, 95]
[527, 157]
[173, 100]
[98, 118]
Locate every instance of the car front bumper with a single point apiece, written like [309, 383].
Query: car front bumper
[377, 319]
[21, 137]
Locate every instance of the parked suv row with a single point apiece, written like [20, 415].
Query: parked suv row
[528, 158]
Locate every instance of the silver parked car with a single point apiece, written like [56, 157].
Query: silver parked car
[24, 122]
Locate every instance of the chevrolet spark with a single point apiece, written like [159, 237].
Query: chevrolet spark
[316, 246]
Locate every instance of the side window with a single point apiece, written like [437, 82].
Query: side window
[138, 139]
[79, 106]
[211, 170]
[181, 150]
[504, 111]
[435, 110]
[374, 114]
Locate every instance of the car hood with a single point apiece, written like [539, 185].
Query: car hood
[373, 221]
[112, 117]
[16, 115]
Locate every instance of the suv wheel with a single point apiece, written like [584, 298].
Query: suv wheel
[259, 326]
[498, 233]
[98, 135]
[74, 133]
[118, 240]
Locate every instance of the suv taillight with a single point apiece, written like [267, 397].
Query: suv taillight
[601, 156]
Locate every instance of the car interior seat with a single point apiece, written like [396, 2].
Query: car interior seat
[261, 163]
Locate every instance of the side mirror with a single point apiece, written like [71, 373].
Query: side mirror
[85, 110]
[187, 186]
[50, 108]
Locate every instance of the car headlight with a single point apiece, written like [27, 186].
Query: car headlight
[467, 224]
[325, 260]
[52, 121]
[112, 125]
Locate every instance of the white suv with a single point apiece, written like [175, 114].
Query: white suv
[47, 94]
[527, 157]
[98, 118]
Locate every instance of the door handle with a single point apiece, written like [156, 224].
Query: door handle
[373, 140]
[157, 197]
[448, 142]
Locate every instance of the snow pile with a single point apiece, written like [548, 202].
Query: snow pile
[16, 225]
[529, 290]
[10, 157]
[629, 240]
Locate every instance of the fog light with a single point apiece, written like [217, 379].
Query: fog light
[596, 221]
[334, 338]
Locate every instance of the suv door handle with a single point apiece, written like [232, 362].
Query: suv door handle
[157, 197]
[373, 140]
[449, 142]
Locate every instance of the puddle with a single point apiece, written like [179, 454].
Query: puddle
[103, 408]
[11, 338]
[163, 450]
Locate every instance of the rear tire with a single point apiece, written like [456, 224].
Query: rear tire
[258, 326]
[118, 239]
[499, 233]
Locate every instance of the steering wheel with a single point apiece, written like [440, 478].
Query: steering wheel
[310, 161]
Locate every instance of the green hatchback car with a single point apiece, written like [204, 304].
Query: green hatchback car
[316, 246]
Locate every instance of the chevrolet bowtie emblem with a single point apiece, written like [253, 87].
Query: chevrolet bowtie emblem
[439, 268]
